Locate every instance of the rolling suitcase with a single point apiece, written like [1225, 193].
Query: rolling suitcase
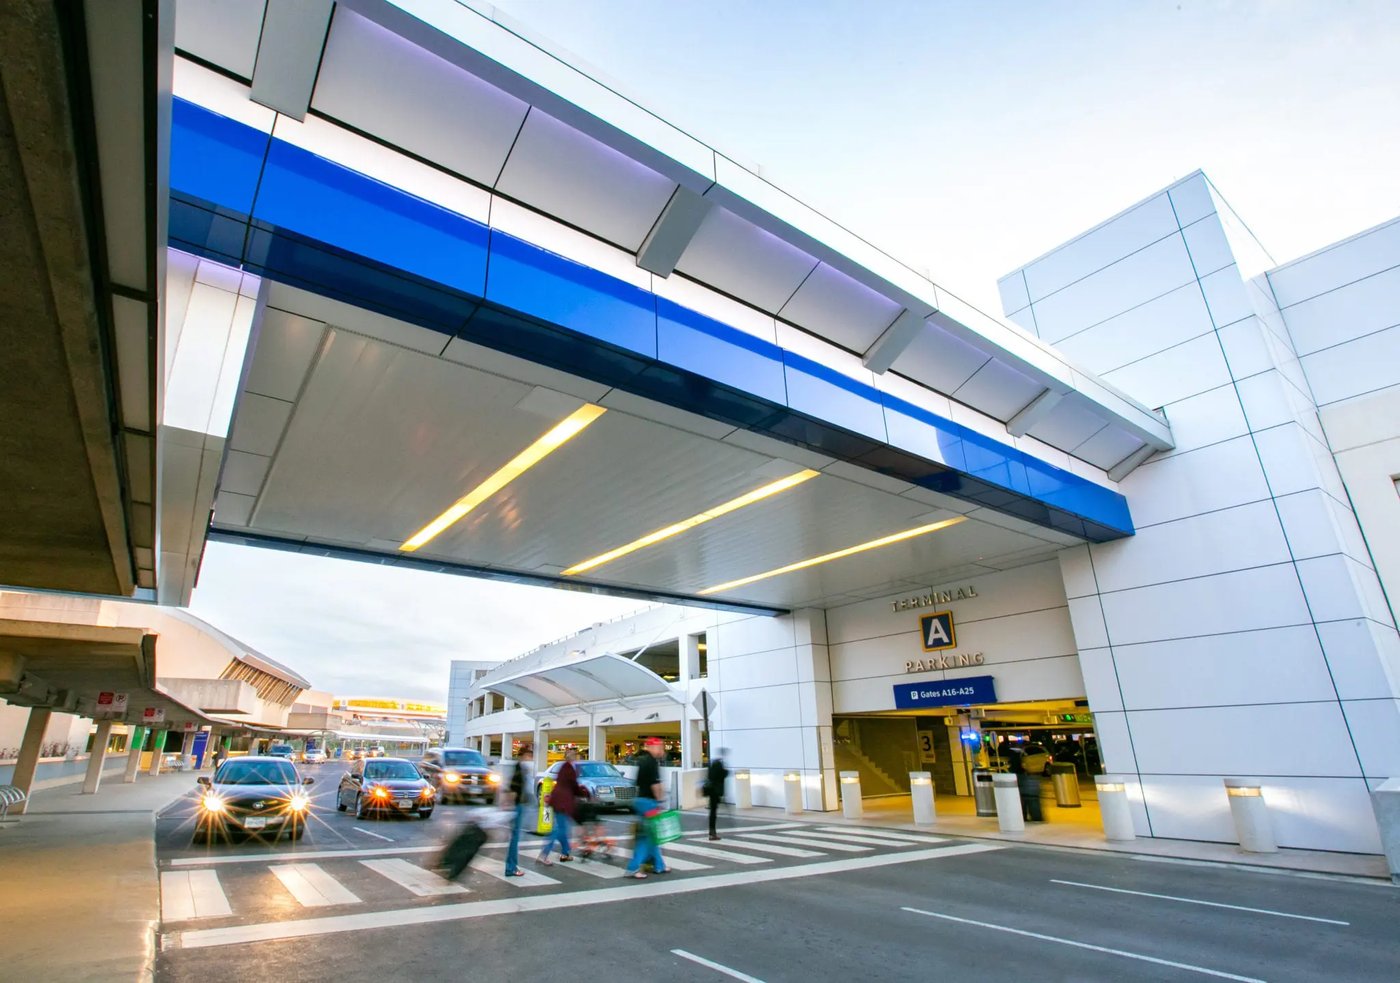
[461, 850]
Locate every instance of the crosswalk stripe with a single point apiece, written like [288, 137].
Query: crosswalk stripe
[262, 858]
[495, 867]
[883, 834]
[818, 844]
[311, 886]
[595, 868]
[423, 883]
[777, 851]
[848, 838]
[675, 862]
[189, 894]
[727, 830]
[715, 854]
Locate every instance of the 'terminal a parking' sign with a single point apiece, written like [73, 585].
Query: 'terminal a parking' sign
[945, 693]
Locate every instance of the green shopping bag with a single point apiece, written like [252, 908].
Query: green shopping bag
[664, 827]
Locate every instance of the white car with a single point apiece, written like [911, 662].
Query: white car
[314, 756]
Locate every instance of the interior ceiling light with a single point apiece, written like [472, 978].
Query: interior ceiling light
[848, 551]
[567, 428]
[757, 495]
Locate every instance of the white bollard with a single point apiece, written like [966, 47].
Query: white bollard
[1385, 802]
[743, 790]
[793, 790]
[1008, 803]
[851, 805]
[1251, 815]
[1114, 811]
[921, 791]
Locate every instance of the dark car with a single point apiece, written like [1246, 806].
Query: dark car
[460, 773]
[385, 785]
[254, 794]
[607, 787]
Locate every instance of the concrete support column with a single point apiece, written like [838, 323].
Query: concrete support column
[187, 750]
[597, 742]
[133, 754]
[505, 747]
[210, 744]
[29, 754]
[93, 779]
[541, 749]
[158, 739]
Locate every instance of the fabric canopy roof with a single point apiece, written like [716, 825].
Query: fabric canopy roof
[592, 680]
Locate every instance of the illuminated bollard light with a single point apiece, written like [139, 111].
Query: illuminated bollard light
[793, 789]
[1114, 810]
[921, 791]
[1385, 802]
[743, 790]
[1251, 815]
[1008, 803]
[851, 805]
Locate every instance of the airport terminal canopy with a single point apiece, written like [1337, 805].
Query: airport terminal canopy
[597, 679]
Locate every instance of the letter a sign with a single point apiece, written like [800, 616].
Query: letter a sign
[937, 631]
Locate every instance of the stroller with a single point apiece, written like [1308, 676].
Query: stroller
[594, 843]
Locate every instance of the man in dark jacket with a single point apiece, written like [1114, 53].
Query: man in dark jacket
[714, 787]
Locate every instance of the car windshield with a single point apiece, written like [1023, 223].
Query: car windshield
[280, 749]
[256, 773]
[390, 769]
[464, 759]
[598, 770]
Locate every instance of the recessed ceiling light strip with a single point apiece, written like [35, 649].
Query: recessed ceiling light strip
[560, 434]
[757, 495]
[839, 554]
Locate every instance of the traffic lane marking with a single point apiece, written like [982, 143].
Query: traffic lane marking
[651, 888]
[1211, 904]
[186, 895]
[377, 836]
[715, 966]
[421, 882]
[269, 858]
[311, 886]
[1082, 945]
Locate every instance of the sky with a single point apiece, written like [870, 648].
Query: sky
[964, 139]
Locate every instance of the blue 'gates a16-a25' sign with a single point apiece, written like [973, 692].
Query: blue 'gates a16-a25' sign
[945, 693]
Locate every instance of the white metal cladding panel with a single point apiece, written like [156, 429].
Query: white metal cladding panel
[1209, 248]
[999, 390]
[1122, 235]
[940, 361]
[1244, 600]
[741, 636]
[837, 307]
[1295, 460]
[1213, 477]
[1376, 726]
[763, 707]
[1318, 525]
[1365, 365]
[1340, 588]
[1014, 296]
[1345, 262]
[1132, 280]
[383, 85]
[1269, 400]
[1189, 740]
[1347, 313]
[1275, 665]
[286, 345]
[1194, 546]
[1192, 198]
[1107, 447]
[1174, 374]
[758, 669]
[221, 32]
[1364, 659]
[745, 261]
[601, 190]
[1159, 324]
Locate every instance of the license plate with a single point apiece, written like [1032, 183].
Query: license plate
[255, 822]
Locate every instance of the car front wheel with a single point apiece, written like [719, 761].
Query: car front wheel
[425, 813]
[359, 807]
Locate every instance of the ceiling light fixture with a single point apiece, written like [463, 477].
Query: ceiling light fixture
[757, 495]
[839, 554]
[560, 434]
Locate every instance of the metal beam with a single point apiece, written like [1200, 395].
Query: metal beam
[892, 341]
[677, 224]
[289, 54]
[1126, 466]
[1033, 412]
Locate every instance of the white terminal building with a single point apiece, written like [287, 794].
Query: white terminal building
[399, 283]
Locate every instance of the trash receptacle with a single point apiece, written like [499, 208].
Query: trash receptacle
[1066, 781]
[983, 793]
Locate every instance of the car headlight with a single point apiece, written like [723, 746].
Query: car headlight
[426, 792]
[451, 778]
[380, 792]
[299, 802]
[604, 790]
[494, 778]
[212, 802]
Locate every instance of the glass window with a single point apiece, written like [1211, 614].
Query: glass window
[594, 769]
[464, 759]
[390, 770]
[237, 772]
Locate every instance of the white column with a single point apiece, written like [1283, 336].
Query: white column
[921, 792]
[29, 754]
[136, 739]
[1251, 815]
[597, 741]
[158, 739]
[212, 743]
[187, 750]
[1116, 814]
[505, 747]
[1009, 816]
[93, 779]
[851, 804]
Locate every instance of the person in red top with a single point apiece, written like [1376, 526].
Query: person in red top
[563, 799]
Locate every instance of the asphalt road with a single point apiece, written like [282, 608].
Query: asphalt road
[792, 901]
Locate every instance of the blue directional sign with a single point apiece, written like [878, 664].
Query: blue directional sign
[945, 693]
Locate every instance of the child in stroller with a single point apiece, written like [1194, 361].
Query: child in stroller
[594, 843]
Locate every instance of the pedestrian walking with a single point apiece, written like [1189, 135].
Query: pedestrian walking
[519, 795]
[563, 800]
[650, 792]
[714, 787]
